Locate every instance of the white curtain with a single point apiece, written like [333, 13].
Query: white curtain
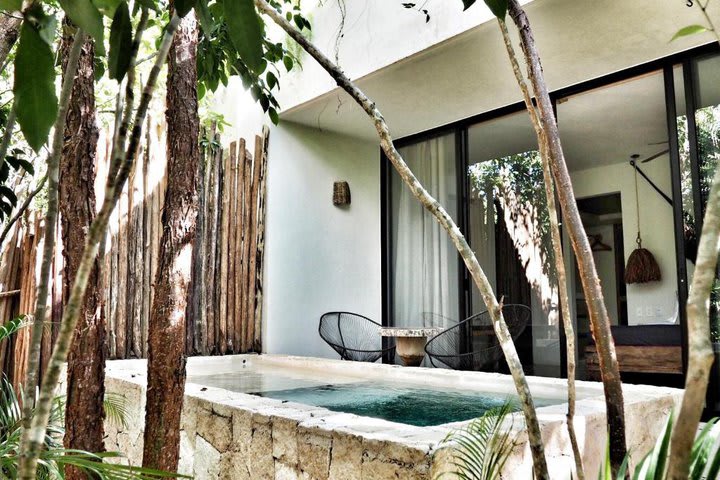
[482, 236]
[424, 260]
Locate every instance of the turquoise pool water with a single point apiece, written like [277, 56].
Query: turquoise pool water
[410, 405]
[394, 401]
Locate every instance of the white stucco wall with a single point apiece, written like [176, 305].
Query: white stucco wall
[375, 34]
[652, 302]
[605, 264]
[318, 257]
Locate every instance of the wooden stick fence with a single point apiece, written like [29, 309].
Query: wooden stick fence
[227, 258]
[225, 306]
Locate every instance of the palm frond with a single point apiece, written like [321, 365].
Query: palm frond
[652, 466]
[481, 449]
[13, 326]
[704, 456]
[702, 448]
[96, 465]
[116, 409]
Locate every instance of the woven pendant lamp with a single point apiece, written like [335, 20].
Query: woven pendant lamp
[641, 265]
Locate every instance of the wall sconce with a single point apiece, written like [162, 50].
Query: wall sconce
[341, 194]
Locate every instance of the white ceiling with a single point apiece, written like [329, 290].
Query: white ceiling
[599, 127]
[608, 125]
[470, 74]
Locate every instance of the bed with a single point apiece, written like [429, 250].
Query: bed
[642, 349]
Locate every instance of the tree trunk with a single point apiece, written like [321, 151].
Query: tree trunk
[32, 437]
[557, 248]
[84, 412]
[599, 320]
[166, 337]
[700, 352]
[9, 32]
[120, 167]
[447, 223]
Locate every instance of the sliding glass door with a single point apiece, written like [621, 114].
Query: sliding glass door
[423, 260]
[508, 229]
[699, 135]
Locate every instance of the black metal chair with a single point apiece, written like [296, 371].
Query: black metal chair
[354, 337]
[471, 344]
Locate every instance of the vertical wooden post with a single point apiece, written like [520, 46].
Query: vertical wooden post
[147, 253]
[223, 251]
[229, 248]
[122, 275]
[211, 235]
[240, 225]
[260, 250]
[195, 324]
[252, 235]
[248, 231]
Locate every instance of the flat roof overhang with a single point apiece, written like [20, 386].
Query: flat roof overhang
[470, 73]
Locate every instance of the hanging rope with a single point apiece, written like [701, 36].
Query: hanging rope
[638, 239]
[641, 265]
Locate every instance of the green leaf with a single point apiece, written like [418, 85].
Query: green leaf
[107, 7]
[99, 68]
[467, 4]
[689, 30]
[271, 80]
[18, 163]
[4, 171]
[150, 4]
[288, 62]
[120, 42]
[34, 87]
[274, 117]
[11, 5]
[27, 166]
[183, 7]
[9, 194]
[246, 31]
[85, 15]
[46, 25]
[204, 16]
[497, 7]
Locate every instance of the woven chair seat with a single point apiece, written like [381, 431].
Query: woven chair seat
[354, 337]
[472, 344]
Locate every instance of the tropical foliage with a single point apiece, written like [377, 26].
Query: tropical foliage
[54, 457]
[704, 457]
[480, 450]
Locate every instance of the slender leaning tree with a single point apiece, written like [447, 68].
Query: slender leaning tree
[700, 352]
[444, 219]
[599, 319]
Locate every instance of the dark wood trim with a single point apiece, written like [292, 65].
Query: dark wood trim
[620, 287]
[463, 195]
[385, 243]
[690, 82]
[678, 221]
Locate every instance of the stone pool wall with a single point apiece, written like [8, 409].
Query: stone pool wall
[228, 435]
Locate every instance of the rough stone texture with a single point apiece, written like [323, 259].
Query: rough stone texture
[260, 461]
[346, 457]
[314, 446]
[207, 461]
[285, 441]
[233, 436]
